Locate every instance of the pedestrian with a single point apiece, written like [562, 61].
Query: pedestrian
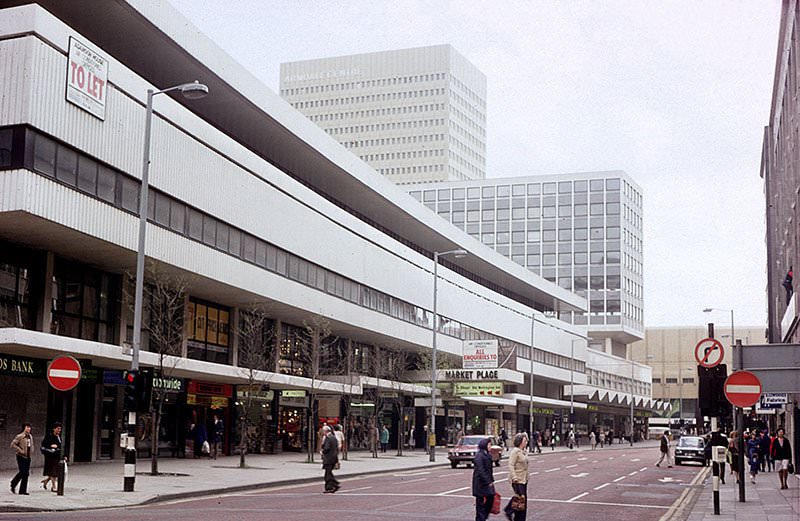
[339, 433]
[554, 439]
[537, 442]
[732, 454]
[782, 454]
[764, 451]
[602, 438]
[504, 438]
[593, 440]
[217, 434]
[665, 450]
[22, 444]
[770, 458]
[330, 458]
[753, 448]
[518, 476]
[571, 439]
[51, 448]
[483, 481]
[384, 438]
[200, 437]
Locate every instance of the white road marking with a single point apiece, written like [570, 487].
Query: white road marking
[594, 461]
[553, 470]
[642, 469]
[345, 491]
[570, 500]
[633, 473]
[611, 457]
[571, 466]
[454, 490]
[581, 475]
[582, 459]
[411, 473]
[534, 473]
[604, 485]
[619, 479]
[636, 459]
[414, 480]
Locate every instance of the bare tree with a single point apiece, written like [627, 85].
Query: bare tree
[164, 309]
[315, 339]
[395, 366]
[256, 356]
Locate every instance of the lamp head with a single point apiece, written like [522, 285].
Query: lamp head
[708, 310]
[460, 253]
[194, 90]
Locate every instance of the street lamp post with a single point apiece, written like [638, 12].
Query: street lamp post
[572, 383]
[530, 404]
[194, 90]
[432, 430]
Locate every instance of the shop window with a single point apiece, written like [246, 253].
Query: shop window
[83, 302]
[208, 332]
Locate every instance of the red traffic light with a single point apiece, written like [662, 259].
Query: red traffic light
[130, 376]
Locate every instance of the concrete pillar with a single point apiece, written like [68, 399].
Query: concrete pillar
[233, 327]
[44, 315]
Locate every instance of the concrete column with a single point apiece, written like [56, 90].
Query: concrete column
[278, 333]
[233, 329]
[185, 341]
[44, 316]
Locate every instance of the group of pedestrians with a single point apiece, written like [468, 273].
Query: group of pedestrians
[51, 448]
[765, 452]
[483, 488]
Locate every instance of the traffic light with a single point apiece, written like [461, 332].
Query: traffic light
[712, 391]
[130, 401]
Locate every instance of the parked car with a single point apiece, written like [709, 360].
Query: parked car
[464, 451]
[691, 448]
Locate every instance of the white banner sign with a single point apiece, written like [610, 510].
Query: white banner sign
[479, 354]
[87, 78]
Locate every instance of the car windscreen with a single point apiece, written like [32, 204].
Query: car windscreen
[696, 443]
[470, 440]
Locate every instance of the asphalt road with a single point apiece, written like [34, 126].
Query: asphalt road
[618, 484]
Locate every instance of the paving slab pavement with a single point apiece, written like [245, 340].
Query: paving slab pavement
[99, 484]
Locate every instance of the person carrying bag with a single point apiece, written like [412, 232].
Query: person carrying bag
[516, 508]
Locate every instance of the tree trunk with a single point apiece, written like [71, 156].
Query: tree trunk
[154, 440]
[243, 442]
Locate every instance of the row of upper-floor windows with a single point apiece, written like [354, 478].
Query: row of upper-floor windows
[401, 141]
[392, 112]
[406, 154]
[531, 201]
[517, 190]
[473, 98]
[334, 86]
[381, 97]
[19, 147]
[473, 110]
[617, 382]
[415, 169]
[394, 125]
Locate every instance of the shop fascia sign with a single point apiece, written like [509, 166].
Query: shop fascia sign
[169, 384]
[479, 354]
[773, 400]
[478, 388]
[20, 366]
[256, 392]
[479, 375]
[87, 78]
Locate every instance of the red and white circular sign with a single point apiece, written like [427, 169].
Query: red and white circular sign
[64, 373]
[709, 352]
[743, 389]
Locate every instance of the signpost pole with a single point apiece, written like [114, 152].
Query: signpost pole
[740, 425]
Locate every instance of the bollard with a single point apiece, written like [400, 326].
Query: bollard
[62, 472]
[130, 469]
[715, 473]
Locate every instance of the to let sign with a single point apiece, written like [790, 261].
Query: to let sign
[87, 78]
[479, 354]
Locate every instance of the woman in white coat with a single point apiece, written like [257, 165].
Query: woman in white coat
[518, 476]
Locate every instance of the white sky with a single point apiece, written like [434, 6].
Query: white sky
[674, 93]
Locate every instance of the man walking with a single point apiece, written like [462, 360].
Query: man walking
[483, 481]
[330, 457]
[22, 444]
[217, 435]
[665, 450]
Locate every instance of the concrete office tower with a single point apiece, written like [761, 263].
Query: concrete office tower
[582, 231]
[414, 115]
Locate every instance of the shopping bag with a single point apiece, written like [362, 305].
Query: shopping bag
[496, 504]
[519, 503]
[206, 448]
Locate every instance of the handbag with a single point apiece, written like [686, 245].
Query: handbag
[519, 503]
[496, 503]
[790, 468]
[337, 466]
[206, 448]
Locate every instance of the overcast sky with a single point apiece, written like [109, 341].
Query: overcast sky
[674, 93]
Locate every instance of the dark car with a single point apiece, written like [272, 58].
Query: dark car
[464, 451]
[690, 448]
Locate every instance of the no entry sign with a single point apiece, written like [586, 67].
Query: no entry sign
[708, 352]
[743, 389]
[64, 373]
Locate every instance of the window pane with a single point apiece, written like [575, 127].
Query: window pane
[249, 249]
[87, 175]
[195, 224]
[44, 155]
[235, 243]
[209, 230]
[223, 230]
[106, 183]
[177, 216]
[130, 195]
[67, 165]
[162, 209]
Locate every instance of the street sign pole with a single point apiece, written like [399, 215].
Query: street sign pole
[740, 425]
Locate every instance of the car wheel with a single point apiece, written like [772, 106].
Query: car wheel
[678, 462]
[453, 464]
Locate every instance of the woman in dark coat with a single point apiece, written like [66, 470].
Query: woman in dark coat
[51, 448]
[483, 481]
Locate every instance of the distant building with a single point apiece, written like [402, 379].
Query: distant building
[414, 115]
[582, 231]
[670, 352]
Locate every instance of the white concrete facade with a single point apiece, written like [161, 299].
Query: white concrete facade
[415, 115]
[225, 183]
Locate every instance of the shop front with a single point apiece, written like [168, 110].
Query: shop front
[23, 379]
[292, 420]
[258, 405]
[204, 400]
